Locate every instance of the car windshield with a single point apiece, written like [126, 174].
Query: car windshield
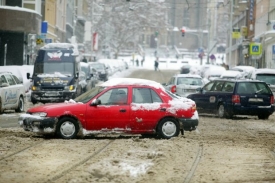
[66, 68]
[268, 78]
[87, 96]
[189, 81]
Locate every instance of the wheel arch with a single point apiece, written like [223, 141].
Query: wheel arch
[166, 117]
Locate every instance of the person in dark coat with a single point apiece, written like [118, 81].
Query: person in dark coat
[137, 62]
[156, 64]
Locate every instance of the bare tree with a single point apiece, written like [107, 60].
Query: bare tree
[122, 23]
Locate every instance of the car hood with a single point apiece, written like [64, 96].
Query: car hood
[58, 108]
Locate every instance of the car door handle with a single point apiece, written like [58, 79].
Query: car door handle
[162, 109]
[122, 110]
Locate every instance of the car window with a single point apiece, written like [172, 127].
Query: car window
[218, 86]
[3, 79]
[228, 87]
[10, 79]
[268, 78]
[189, 81]
[208, 86]
[145, 95]
[116, 96]
[171, 81]
[16, 79]
[253, 88]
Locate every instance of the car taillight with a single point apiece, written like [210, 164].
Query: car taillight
[174, 89]
[272, 99]
[236, 99]
[194, 108]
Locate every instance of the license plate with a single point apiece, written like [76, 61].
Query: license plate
[255, 100]
[51, 94]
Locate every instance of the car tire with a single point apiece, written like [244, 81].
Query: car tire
[20, 107]
[33, 101]
[168, 128]
[222, 113]
[67, 128]
[263, 116]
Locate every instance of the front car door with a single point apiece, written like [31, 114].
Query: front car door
[11, 92]
[112, 115]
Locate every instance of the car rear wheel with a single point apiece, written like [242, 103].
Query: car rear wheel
[20, 107]
[222, 113]
[263, 116]
[67, 128]
[168, 128]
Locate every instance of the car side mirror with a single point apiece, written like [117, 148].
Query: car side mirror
[95, 102]
[76, 75]
[29, 76]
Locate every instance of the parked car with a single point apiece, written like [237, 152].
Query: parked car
[120, 105]
[87, 79]
[12, 93]
[184, 84]
[227, 97]
[231, 74]
[102, 70]
[185, 69]
[214, 72]
[266, 75]
[244, 69]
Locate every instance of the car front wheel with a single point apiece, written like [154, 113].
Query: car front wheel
[20, 107]
[67, 128]
[168, 128]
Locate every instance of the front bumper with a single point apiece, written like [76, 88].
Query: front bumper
[189, 124]
[44, 96]
[45, 125]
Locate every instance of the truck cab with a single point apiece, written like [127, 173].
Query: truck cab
[56, 73]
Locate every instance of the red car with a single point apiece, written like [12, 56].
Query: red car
[120, 105]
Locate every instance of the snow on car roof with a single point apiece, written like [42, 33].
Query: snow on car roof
[243, 68]
[62, 46]
[230, 73]
[132, 81]
[189, 75]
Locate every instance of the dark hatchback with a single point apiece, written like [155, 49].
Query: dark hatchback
[227, 98]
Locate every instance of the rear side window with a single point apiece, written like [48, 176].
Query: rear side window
[253, 88]
[145, 95]
[228, 87]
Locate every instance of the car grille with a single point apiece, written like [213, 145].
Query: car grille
[52, 88]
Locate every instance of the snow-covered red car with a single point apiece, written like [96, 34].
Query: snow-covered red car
[120, 105]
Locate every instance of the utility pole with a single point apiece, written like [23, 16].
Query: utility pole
[230, 33]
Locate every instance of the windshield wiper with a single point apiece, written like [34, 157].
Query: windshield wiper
[258, 91]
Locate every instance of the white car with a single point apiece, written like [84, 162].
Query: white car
[12, 93]
[244, 69]
[184, 84]
[266, 75]
[230, 74]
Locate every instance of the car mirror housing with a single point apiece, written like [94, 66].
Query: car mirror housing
[95, 102]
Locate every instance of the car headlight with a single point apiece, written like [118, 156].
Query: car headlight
[71, 87]
[35, 88]
[41, 114]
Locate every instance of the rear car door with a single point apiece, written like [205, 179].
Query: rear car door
[147, 109]
[112, 114]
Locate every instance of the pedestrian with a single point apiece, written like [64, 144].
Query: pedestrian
[142, 61]
[137, 62]
[84, 60]
[156, 64]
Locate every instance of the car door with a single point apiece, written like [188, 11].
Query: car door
[202, 98]
[11, 93]
[147, 108]
[113, 112]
